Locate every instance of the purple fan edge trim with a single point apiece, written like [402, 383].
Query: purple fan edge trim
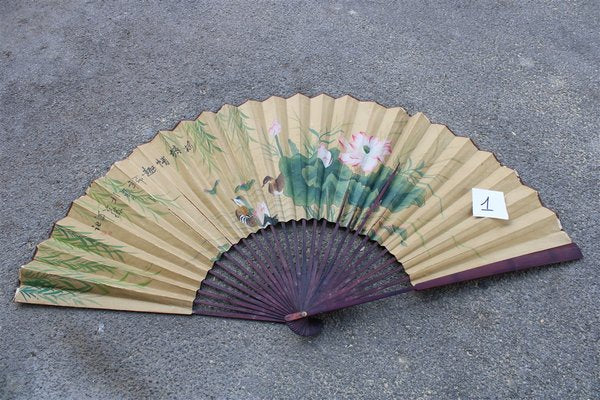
[567, 252]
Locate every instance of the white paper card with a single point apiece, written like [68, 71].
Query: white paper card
[489, 203]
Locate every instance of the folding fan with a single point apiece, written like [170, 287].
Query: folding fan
[288, 208]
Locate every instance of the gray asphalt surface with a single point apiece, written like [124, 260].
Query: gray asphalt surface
[81, 84]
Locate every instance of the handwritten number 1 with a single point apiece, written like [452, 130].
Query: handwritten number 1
[487, 204]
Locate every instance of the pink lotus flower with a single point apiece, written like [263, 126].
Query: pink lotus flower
[365, 151]
[324, 155]
[275, 128]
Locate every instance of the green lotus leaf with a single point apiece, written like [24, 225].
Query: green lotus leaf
[309, 184]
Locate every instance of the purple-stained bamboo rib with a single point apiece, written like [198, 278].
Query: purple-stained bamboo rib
[337, 277]
[263, 272]
[361, 285]
[243, 297]
[264, 297]
[298, 259]
[376, 279]
[274, 253]
[287, 265]
[361, 298]
[233, 306]
[252, 295]
[251, 317]
[292, 263]
[304, 281]
[379, 289]
[285, 269]
[232, 302]
[363, 291]
[339, 285]
[366, 275]
[264, 254]
[355, 266]
[349, 303]
[267, 256]
[315, 285]
[242, 301]
[325, 264]
[298, 262]
[316, 262]
[276, 285]
[311, 264]
[266, 290]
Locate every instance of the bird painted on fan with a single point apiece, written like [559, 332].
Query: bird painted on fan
[245, 186]
[276, 185]
[213, 190]
[244, 211]
[252, 217]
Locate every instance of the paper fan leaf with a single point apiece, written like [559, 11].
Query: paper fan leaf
[286, 209]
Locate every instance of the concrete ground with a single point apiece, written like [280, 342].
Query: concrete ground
[82, 83]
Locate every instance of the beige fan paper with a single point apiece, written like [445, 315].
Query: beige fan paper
[145, 235]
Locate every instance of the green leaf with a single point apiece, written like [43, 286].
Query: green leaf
[293, 147]
[67, 236]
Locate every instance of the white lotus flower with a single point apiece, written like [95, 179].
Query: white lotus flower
[275, 128]
[261, 211]
[365, 151]
[324, 155]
